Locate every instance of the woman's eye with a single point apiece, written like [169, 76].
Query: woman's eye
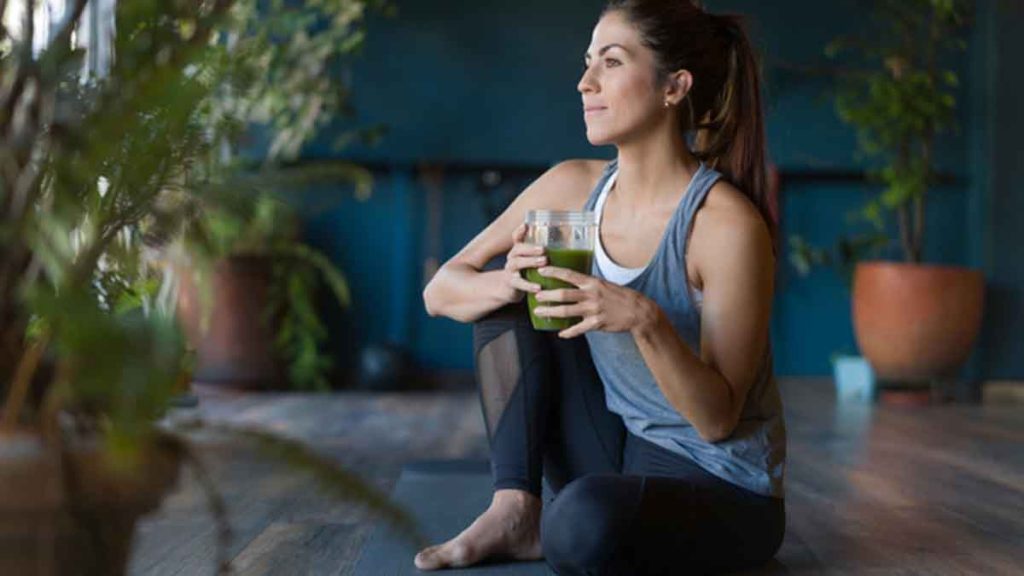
[608, 63]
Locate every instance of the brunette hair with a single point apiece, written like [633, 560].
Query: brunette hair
[723, 106]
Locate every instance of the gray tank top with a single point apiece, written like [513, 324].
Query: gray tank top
[754, 456]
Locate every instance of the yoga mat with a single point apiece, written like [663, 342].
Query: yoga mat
[443, 497]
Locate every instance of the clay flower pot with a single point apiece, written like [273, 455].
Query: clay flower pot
[916, 322]
[237, 350]
[75, 513]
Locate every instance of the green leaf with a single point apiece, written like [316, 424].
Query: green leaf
[332, 274]
[898, 107]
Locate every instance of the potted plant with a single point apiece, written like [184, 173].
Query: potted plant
[248, 282]
[249, 300]
[96, 174]
[915, 322]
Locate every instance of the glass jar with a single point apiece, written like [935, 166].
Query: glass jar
[568, 238]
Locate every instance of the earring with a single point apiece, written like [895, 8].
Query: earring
[667, 104]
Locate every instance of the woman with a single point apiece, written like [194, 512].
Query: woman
[660, 434]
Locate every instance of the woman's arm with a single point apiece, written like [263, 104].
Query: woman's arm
[459, 290]
[736, 265]
[462, 292]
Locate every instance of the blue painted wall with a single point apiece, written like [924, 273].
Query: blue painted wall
[491, 83]
[474, 81]
[1001, 202]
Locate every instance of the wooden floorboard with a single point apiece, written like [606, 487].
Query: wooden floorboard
[871, 490]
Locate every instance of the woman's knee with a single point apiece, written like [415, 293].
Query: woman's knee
[511, 318]
[582, 529]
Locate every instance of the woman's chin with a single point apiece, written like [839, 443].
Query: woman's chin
[598, 139]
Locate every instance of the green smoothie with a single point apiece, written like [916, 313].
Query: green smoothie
[571, 258]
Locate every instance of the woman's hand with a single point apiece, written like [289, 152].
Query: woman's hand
[602, 305]
[521, 257]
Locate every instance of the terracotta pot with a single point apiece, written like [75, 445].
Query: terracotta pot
[237, 349]
[31, 503]
[74, 514]
[916, 322]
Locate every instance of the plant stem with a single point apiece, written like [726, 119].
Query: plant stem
[921, 199]
[214, 501]
[903, 164]
[905, 241]
[927, 136]
[3, 29]
[918, 229]
[53, 401]
[21, 383]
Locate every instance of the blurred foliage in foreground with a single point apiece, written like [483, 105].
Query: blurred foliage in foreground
[100, 174]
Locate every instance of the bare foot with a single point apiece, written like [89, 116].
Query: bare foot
[509, 528]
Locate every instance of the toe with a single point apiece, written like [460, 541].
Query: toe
[452, 554]
[428, 559]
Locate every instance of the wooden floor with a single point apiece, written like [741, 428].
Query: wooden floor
[870, 490]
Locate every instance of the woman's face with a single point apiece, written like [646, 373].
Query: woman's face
[621, 97]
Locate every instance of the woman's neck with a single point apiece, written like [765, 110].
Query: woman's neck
[651, 171]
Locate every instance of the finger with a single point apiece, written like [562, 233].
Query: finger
[524, 262]
[519, 233]
[568, 311]
[517, 241]
[525, 249]
[579, 328]
[533, 261]
[561, 295]
[520, 284]
[529, 249]
[570, 276]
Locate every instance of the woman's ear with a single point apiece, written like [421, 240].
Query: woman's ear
[679, 84]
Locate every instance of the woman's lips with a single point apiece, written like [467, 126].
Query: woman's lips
[593, 110]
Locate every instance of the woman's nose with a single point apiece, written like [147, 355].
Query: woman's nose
[586, 83]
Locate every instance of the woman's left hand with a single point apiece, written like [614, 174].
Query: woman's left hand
[602, 305]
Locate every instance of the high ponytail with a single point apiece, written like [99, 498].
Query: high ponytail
[722, 111]
[731, 139]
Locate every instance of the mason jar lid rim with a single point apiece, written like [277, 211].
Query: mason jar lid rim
[584, 216]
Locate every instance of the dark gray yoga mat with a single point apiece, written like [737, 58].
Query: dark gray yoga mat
[443, 497]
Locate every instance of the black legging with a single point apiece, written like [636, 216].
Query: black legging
[623, 505]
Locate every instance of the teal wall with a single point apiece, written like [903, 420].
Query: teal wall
[1000, 198]
[470, 86]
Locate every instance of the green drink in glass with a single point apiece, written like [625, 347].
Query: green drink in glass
[568, 239]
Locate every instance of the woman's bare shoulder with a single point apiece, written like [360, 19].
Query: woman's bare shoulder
[727, 221]
[728, 216]
[726, 205]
